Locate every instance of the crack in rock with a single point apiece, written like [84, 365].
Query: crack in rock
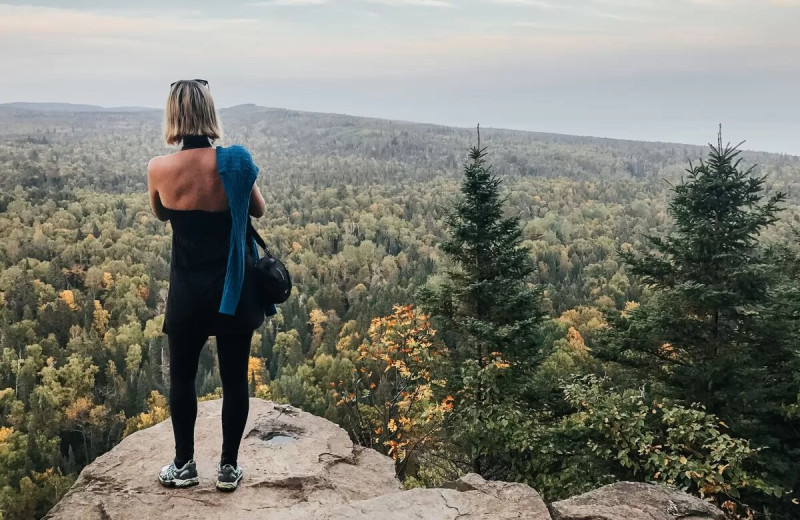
[297, 483]
[331, 459]
[459, 514]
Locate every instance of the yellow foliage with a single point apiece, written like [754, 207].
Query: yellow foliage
[629, 306]
[255, 369]
[345, 343]
[101, 318]
[79, 410]
[394, 384]
[604, 301]
[157, 411]
[68, 297]
[263, 392]
[576, 343]
[216, 394]
[5, 433]
[317, 318]
[583, 318]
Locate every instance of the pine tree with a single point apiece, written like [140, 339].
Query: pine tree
[489, 315]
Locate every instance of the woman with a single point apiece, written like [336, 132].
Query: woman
[207, 194]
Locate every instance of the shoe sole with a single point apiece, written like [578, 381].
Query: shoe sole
[228, 486]
[189, 482]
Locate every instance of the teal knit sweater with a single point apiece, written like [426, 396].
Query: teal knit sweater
[238, 173]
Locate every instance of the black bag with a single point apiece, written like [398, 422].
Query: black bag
[270, 273]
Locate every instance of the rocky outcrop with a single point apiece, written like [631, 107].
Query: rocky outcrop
[302, 467]
[297, 466]
[635, 501]
[470, 497]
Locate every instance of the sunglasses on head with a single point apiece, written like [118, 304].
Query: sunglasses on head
[201, 81]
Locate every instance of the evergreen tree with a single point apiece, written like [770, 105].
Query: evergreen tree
[489, 315]
[711, 332]
[710, 280]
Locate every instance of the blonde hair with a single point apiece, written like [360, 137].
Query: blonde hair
[190, 111]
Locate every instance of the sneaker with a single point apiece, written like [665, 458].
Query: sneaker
[228, 477]
[172, 476]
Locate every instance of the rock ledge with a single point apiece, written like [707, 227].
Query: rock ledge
[299, 466]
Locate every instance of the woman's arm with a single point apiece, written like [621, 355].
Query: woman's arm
[257, 205]
[155, 201]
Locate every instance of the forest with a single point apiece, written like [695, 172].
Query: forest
[556, 310]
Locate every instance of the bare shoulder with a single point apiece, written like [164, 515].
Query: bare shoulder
[156, 166]
[157, 163]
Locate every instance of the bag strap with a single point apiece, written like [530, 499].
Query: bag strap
[257, 237]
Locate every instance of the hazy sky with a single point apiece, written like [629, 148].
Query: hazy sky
[665, 70]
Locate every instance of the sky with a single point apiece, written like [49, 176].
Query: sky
[654, 70]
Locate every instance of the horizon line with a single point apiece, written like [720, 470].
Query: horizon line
[140, 108]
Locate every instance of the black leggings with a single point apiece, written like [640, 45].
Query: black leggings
[233, 352]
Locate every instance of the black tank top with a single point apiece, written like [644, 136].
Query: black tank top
[200, 245]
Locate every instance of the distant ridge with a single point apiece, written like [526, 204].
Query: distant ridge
[71, 107]
[251, 111]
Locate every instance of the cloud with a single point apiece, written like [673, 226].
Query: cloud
[64, 43]
[54, 23]
[561, 29]
[422, 3]
[535, 3]
[289, 2]
[583, 10]
[748, 3]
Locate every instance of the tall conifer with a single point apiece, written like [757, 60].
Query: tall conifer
[712, 333]
[489, 314]
[710, 278]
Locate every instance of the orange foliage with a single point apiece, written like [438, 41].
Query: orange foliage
[79, 410]
[393, 385]
[68, 297]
